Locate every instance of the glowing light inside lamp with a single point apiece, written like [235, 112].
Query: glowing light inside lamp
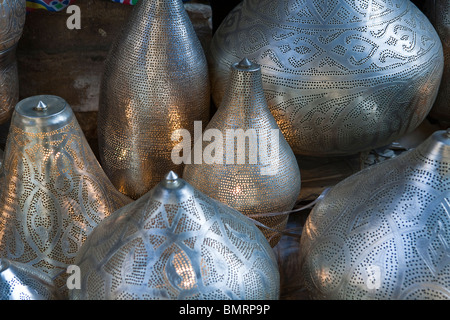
[185, 270]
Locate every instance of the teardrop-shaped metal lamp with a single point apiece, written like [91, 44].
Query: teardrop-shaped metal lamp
[248, 165]
[156, 81]
[383, 233]
[176, 243]
[54, 191]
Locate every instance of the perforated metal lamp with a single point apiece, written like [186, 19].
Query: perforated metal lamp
[19, 281]
[176, 243]
[12, 21]
[156, 81]
[383, 233]
[256, 177]
[340, 77]
[438, 12]
[54, 191]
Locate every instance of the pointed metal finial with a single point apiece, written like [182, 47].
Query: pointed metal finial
[171, 176]
[245, 63]
[171, 180]
[41, 106]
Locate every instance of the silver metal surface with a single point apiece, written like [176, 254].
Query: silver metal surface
[245, 186]
[19, 281]
[156, 81]
[12, 21]
[340, 76]
[383, 233]
[54, 191]
[176, 243]
[438, 12]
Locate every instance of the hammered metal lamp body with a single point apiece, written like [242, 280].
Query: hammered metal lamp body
[19, 281]
[156, 81]
[439, 14]
[12, 21]
[340, 76]
[245, 186]
[54, 191]
[383, 233]
[176, 243]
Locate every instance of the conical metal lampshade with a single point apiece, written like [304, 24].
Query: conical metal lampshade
[255, 176]
[155, 82]
[340, 76]
[19, 281]
[176, 243]
[383, 233]
[12, 21]
[54, 190]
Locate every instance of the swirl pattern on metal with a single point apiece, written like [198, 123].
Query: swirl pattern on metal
[176, 243]
[384, 232]
[340, 76]
[439, 14]
[54, 191]
[251, 185]
[156, 82]
[9, 86]
[19, 281]
[12, 21]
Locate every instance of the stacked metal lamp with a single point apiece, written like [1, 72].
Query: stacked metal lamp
[333, 79]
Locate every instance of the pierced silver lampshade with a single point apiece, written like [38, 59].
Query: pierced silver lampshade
[262, 175]
[155, 82]
[12, 21]
[340, 77]
[176, 243]
[19, 281]
[383, 233]
[54, 191]
[439, 14]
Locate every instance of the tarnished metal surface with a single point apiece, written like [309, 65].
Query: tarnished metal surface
[252, 186]
[54, 191]
[156, 81]
[12, 21]
[383, 233]
[19, 281]
[176, 243]
[340, 76]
